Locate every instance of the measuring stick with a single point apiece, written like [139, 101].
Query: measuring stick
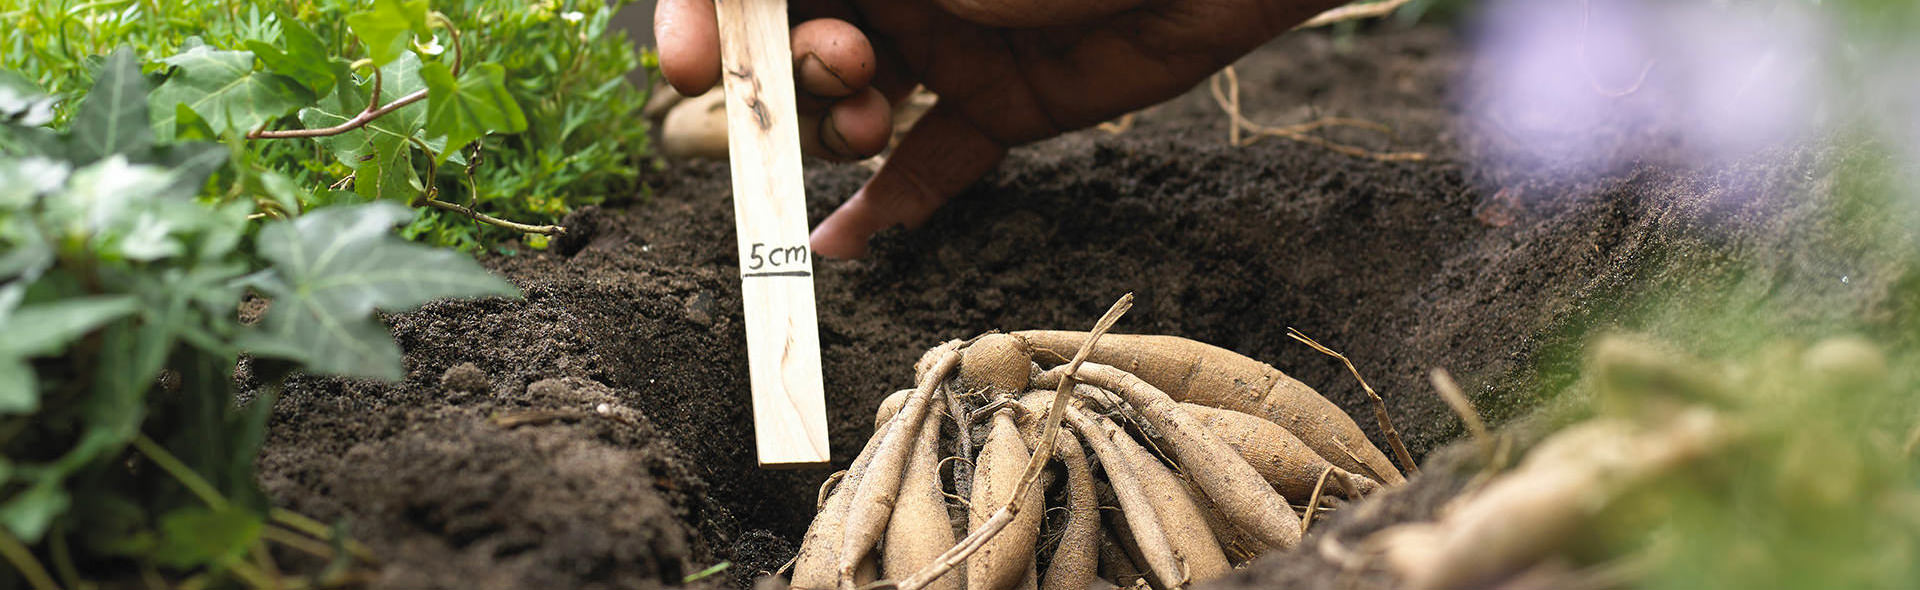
[770, 213]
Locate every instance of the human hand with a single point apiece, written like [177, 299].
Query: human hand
[1007, 72]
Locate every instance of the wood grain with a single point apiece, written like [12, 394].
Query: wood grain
[769, 207]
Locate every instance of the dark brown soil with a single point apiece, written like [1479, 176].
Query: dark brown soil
[1403, 266]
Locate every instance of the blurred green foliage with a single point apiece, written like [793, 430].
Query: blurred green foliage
[583, 138]
[1822, 372]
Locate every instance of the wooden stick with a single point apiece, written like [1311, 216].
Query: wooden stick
[770, 212]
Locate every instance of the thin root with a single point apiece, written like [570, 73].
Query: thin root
[1313, 503]
[1463, 407]
[1120, 125]
[1229, 100]
[826, 489]
[1352, 12]
[1379, 405]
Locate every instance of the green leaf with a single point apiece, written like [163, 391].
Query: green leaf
[189, 125]
[19, 387]
[304, 59]
[27, 514]
[399, 78]
[46, 328]
[387, 172]
[279, 189]
[463, 110]
[226, 91]
[332, 268]
[22, 179]
[22, 102]
[200, 536]
[116, 208]
[389, 27]
[192, 164]
[113, 119]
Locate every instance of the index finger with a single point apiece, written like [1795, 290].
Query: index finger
[689, 39]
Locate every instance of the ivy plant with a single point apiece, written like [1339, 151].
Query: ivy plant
[125, 254]
[495, 117]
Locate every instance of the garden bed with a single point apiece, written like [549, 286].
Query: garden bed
[598, 433]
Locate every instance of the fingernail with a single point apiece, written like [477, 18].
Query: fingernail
[834, 141]
[820, 80]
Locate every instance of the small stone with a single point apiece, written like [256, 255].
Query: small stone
[465, 378]
[549, 388]
[700, 308]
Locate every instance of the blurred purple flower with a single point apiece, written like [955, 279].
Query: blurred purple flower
[1578, 86]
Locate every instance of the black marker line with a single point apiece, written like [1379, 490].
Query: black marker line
[780, 273]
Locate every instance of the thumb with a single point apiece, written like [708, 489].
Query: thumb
[939, 157]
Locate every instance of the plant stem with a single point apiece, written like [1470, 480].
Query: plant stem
[23, 560]
[303, 523]
[453, 33]
[547, 230]
[358, 121]
[297, 542]
[63, 559]
[252, 576]
[172, 465]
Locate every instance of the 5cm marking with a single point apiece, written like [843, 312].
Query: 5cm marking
[760, 256]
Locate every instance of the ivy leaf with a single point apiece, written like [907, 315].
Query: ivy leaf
[387, 171]
[22, 102]
[389, 27]
[465, 109]
[42, 330]
[332, 268]
[304, 59]
[113, 119]
[225, 90]
[28, 513]
[46, 328]
[192, 164]
[399, 78]
[197, 536]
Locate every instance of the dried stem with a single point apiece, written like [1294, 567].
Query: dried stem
[545, 230]
[1229, 100]
[1004, 516]
[1120, 125]
[1351, 12]
[1463, 407]
[826, 489]
[1313, 502]
[1379, 405]
[963, 426]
